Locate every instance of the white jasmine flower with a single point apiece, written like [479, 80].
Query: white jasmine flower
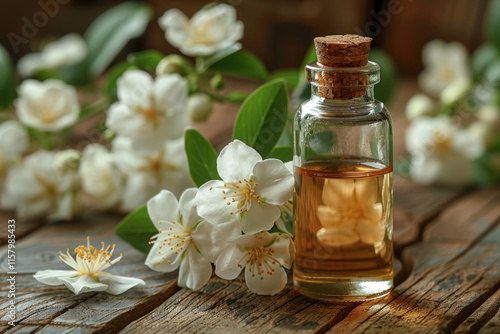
[38, 188]
[50, 105]
[102, 180]
[185, 240]
[211, 29]
[263, 256]
[418, 106]
[250, 192]
[441, 151]
[14, 141]
[455, 91]
[444, 63]
[199, 107]
[149, 172]
[149, 111]
[88, 274]
[69, 50]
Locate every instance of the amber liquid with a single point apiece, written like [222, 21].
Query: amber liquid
[343, 230]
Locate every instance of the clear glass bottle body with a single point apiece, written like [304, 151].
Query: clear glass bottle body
[343, 193]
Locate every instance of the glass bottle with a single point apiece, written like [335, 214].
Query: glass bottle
[343, 182]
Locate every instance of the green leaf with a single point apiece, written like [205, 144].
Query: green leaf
[147, 60]
[111, 79]
[235, 97]
[137, 229]
[111, 31]
[262, 117]
[290, 76]
[241, 64]
[202, 158]
[283, 153]
[7, 81]
[493, 22]
[483, 57]
[384, 90]
[221, 54]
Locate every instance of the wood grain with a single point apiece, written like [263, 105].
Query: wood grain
[39, 305]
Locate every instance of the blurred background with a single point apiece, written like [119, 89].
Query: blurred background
[280, 31]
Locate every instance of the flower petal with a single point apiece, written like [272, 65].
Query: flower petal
[195, 270]
[158, 258]
[119, 284]
[266, 284]
[228, 264]
[187, 208]
[52, 277]
[134, 88]
[124, 120]
[170, 93]
[236, 161]
[275, 181]
[282, 250]
[211, 204]
[82, 284]
[163, 206]
[260, 217]
[211, 239]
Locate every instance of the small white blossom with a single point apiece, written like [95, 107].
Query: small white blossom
[264, 257]
[69, 50]
[209, 30]
[38, 188]
[418, 106]
[149, 111]
[441, 151]
[149, 172]
[101, 178]
[185, 240]
[455, 91]
[50, 105]
[444, 63]
[88, 274]
[14, 141]
[251, 191]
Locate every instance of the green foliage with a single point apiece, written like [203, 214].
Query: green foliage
[202, 157]
[241, 64]
[106, 37]
[290, 76]
[7, 80]
[219, 55]
[235, 97]
[493, 23]
[482, 58]
[283, 153]
[262, 117]
[137, 229]
[384, 90]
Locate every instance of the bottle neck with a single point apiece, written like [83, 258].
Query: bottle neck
[363, 101]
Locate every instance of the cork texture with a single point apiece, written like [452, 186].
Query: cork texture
[342, 51]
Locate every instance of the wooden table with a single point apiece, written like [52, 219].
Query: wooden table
[447, 242]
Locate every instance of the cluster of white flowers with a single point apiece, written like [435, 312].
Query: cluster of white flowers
[206, 225]
[146, 156]
[446, 135]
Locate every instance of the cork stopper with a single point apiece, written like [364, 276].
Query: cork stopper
[342, 51]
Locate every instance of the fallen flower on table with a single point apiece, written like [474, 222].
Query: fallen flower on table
[88, 274]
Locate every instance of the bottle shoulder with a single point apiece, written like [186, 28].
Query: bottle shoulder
[374, 111]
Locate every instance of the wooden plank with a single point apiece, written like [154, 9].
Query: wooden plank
[20, 330]
[493, 326]
[415, 206]
[450, 279]
[483, 315]
[39, 305]
[22, 228]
